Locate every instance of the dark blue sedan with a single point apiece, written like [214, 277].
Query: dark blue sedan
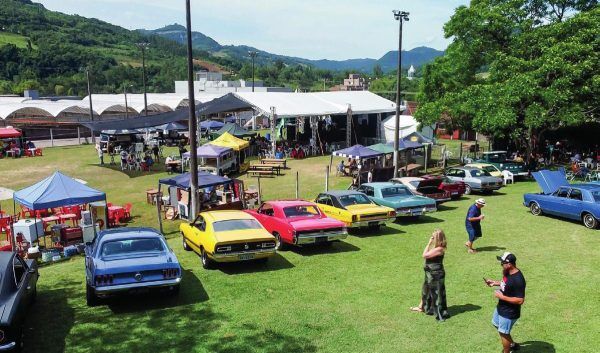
[129, 260]
[580, 202]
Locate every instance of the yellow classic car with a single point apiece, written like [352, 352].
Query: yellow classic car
[354, 208]
[490, 168]
[227, 236]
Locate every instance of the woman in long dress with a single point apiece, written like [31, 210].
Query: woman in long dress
[433, 295]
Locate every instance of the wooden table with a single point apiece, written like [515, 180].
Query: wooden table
[173, 166]
[280, 162]
[152, 195]
[268, 167]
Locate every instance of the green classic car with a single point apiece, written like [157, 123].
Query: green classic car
[398, 197]
[499, 160]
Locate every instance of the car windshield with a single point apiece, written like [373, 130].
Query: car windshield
[596, 195]
[489, 168]
[496, 157]
[395, 191]
[235, 224]
[414, 183]
[301, 211]
[354, 199]
[128, 246]
[479, 173]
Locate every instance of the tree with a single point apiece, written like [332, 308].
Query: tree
[508, 74]
[377, 71]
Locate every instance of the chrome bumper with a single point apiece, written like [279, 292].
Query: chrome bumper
[311, 239]
[129, 286]
[236, 255]
[368, 223]
[414, 212]
[8, 346]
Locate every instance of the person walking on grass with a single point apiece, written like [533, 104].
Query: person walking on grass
[433, 294]
[100, 153]
[511, 296]
[473, 223]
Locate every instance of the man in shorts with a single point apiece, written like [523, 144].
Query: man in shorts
[511, 296]
[473, 223]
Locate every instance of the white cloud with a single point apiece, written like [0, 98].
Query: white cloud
[334, 29]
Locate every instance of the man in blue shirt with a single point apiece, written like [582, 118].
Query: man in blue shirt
[473, 223]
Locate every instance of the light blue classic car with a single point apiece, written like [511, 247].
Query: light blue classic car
[129, 260]
[398, 197]
[580, 202]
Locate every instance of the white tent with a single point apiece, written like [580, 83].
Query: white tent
[408, 125]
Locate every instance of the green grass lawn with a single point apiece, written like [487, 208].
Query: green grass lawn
[16, 39]
[351, 297]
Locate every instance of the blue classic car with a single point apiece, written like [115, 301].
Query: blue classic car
[129, 260]
[579, 202]
[18, 279]
[399, 197]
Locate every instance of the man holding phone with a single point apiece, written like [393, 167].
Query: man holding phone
[473, 223]
[511, 296]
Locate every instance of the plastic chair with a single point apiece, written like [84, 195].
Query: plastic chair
[507, 175]
[38, 152]
[127, 210]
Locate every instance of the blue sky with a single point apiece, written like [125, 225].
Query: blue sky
[325, 29]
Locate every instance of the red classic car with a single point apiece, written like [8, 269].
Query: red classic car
[425, 187]
[455, 188]
[298, 222]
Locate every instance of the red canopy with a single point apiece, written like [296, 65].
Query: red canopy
[9, 132]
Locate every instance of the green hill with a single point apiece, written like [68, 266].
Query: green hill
[48, 50]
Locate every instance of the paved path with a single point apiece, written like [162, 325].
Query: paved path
[61, 142]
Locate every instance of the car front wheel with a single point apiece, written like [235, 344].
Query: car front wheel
[535, 209]
[206, 261]
[186, 247]
[589, 221]
[468, 189]
[90, 296]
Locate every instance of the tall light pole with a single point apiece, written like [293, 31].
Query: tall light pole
[143, 46]
[253, 55]
[400, 16]
[193, 127]
[89, 89]
[126, 107]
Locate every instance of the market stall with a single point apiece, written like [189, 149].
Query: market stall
[215, 193]
[238, 145]
[214, 159]
[233, 129]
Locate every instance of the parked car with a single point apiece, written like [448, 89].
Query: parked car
[501, 161]
[580, 202]
[227, 236]
[490, 168]
[398, 197]
[425, 187]
[475, 179]
[354, 208]
[455, 188]
[129, 260]
[298, 223]
[18, 279]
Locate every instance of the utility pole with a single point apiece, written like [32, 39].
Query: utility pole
[400, 16]
[193, 127]
[143, 46]
[253, 55]
[87, 75]
[126, 108]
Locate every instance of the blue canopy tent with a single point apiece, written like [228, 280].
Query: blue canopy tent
[210, 125]
[172, 126]
[56, 190]
[205, 180]
[357, 152]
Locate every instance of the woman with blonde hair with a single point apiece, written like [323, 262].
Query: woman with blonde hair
[433, 295]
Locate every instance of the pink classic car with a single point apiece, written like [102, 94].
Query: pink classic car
[298, 222]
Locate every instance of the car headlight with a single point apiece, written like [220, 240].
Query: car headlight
[223, 248]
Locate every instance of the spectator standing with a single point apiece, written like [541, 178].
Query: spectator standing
[433, 294]
[473, 223]
[155, 151]
[511, 296]
[100, 153]
[370, 176]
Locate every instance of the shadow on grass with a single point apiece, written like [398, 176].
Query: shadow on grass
[130, 173]
[490, 248]
[463, 308]
[250, 338]
[537, 347]
[444, 207]
[324, 249]
[274, 263]
[366, 232]
[191, 292]
[417, 220]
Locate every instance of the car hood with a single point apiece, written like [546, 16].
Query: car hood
[243, 236]
[408, 201]
[364, 209]
[132, 262]
[315, 223]
[550, 180]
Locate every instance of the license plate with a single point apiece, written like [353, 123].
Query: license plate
[246, 256]
[372, 224]
[416, 213]
[455, 193]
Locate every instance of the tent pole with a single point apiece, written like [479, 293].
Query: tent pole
[326, 178]
[158, 209]
[259, 191]
[425, 148]
[273, 141]
[349, 126]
